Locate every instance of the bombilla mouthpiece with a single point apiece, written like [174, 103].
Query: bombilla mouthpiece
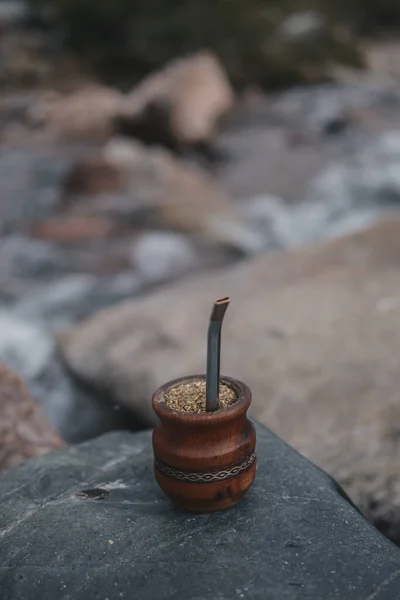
[214, 354]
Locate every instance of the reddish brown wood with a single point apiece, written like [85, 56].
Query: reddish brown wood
[204, 462]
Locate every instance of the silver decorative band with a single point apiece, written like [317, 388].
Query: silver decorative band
[204, 477]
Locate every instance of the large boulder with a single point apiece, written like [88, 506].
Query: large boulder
[90, 522]
[25, 430]
[86, 113]
[181, 104]
[312, 332]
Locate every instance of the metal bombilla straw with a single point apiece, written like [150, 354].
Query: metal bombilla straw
[214, 354]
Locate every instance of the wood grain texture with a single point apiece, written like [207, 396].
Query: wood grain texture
[204, 462]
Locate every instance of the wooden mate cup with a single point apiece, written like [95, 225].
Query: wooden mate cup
[205, 461]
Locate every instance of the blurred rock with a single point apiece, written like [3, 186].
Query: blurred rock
[75, 297]
[70, 230]
[126, 153]
[159, 256]
[26, 346]
[163, 193]
[312, 332]
[382, 58]
[25, 430]
[93, 175]
[179, 106]
[23, 346]
[196, 204]
[86, 113]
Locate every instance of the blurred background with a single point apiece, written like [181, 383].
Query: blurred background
[156, 154]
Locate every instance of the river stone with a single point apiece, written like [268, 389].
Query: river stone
[180, 105]
[84, 114]
[312, 332]
[25, 431]
[294, 535]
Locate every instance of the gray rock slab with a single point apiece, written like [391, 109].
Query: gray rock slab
[295, 535]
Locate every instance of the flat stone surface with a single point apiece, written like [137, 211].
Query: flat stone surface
[294, 536]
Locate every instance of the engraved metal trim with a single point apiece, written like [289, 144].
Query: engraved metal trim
[204, 477]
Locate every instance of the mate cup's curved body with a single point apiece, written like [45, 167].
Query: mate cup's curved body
[204, 461]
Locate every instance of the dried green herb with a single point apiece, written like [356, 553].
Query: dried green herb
[191, 396]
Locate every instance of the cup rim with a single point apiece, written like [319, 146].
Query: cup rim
[224, 414]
